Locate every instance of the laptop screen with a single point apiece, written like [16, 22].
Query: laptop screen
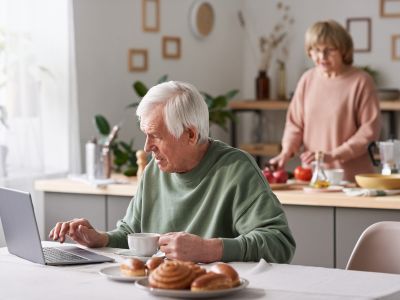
[19, 225]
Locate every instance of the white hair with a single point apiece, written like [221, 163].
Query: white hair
[184, 107]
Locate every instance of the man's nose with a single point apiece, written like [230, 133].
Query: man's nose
[147, 146]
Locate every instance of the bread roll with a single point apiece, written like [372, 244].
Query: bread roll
[197, 270]
[133, 267]
[171, 275]
[211, 281]
[153, 263]
[223, 268]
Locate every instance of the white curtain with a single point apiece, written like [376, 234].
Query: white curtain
[37, 89]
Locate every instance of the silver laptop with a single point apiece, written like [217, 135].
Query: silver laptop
[23, 239]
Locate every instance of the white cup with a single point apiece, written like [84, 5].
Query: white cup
[335, 176]
[143, 244]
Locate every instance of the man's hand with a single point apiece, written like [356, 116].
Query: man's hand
[190, 247]
[81, 231]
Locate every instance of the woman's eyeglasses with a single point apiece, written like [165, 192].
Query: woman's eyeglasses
[324, 52]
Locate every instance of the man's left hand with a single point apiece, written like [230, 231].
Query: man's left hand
[190, 247]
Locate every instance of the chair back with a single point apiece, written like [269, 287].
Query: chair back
[377, 249]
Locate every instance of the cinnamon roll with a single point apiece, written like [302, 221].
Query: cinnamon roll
[133, 267]
[223, 268]
[171, 275]
[211, 281]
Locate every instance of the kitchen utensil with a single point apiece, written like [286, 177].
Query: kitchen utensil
[388, 153]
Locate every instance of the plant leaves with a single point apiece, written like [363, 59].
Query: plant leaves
[220, 102]
[130, 171]
[134, 104]
[163, 78]
[140, 88]
[102, 124]
[229, 95]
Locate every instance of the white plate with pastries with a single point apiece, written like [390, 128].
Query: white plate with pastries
[114, 273]
[144, 285]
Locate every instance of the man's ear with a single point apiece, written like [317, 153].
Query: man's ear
[193, 135]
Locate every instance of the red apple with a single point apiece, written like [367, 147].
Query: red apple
[280, 175]
[303, 173]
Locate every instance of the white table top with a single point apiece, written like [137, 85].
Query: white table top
[21, 279]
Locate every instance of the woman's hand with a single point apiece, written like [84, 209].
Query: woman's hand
[307, 157]
[280, 160]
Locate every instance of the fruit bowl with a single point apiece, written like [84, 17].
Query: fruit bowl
[379, 181]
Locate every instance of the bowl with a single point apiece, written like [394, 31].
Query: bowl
[378, 181]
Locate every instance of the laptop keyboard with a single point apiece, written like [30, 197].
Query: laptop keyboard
[55, 255]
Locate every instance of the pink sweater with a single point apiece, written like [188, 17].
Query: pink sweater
[338, 115]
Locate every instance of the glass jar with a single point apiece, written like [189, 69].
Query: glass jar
[319, 179]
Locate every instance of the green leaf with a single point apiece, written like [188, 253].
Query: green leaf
[130, 171]
[220, 102]
[163, 78]
[102, 124]
[140, 88]
[134, 104]
[229, 95]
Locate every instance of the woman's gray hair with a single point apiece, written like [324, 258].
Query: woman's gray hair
[184, 107]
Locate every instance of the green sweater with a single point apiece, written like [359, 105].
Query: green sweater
[225, 196]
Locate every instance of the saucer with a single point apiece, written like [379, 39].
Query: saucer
[129, 254]
[114, 273]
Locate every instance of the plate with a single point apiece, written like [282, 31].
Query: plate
[378, 181]
[330, 189]
[144, 285]
[114, 273]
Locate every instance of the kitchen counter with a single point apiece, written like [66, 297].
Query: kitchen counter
[286, 197]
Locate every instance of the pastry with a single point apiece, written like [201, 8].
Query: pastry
[197, 270]
[211, 281]
[223, 268]
[133, 267]
[153, 263]
[171, 275]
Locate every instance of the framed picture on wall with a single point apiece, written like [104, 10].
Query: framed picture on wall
[151, 15]
[171, 47]
[137, 60]
[390, 8]
[396, 47]
[360, 31]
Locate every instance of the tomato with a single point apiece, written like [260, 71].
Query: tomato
[303, 173]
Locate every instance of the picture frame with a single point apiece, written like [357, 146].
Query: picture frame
[396, 47]
[390, 8]
[360, 30]
[137, 60]
[151, 15]
[171, 47]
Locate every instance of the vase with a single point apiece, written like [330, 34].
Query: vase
[262, 86]
[282, 82]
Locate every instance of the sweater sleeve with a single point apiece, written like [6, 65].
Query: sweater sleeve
[367, 115]
[117, 238]
[294, 126]
[264, 233]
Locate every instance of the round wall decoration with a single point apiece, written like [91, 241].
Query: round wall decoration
[202, 18]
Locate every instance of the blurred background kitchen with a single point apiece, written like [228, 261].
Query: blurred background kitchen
[62, 62]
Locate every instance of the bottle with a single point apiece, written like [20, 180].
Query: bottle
[262, 86]
[319, 179]
[91, 157]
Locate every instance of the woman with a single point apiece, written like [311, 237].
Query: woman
[335, 107]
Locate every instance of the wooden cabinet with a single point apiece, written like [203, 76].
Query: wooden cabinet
[271, 149]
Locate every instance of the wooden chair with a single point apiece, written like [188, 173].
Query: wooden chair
[377, 249]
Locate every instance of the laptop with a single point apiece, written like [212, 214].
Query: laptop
[22, 235]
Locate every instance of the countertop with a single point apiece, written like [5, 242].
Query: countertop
[286, 197]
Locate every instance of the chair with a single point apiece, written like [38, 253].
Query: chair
[377, 249]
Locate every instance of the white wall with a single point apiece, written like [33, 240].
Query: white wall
[105, 30]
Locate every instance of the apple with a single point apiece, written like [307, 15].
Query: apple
[275, 176]
[303, 173]
[280, 175]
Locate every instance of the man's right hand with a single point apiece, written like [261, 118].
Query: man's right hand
[81, 231]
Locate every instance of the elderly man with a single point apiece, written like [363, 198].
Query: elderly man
[208, 200]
